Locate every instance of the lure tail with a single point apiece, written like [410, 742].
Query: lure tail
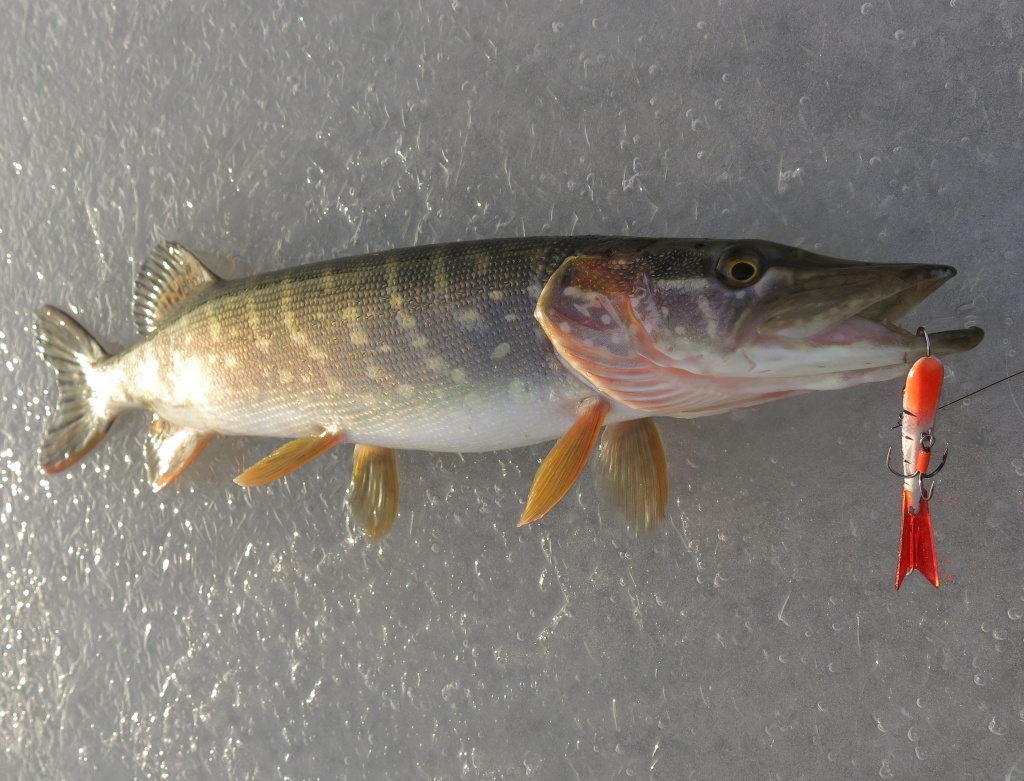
[80, 421]
[917, 546]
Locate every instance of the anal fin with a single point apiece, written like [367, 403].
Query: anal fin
[565, 462]
[373, 495]
[169, 450]
[288, 458]
[917, 545]
[633, 470]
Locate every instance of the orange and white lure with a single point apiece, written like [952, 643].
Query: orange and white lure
[920, 402]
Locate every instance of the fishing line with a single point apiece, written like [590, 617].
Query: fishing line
[979, 390]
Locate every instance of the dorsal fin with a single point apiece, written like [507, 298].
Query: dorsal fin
[166, 279]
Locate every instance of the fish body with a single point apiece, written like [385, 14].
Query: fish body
[425, 348]
[920, 402]
[480, 346]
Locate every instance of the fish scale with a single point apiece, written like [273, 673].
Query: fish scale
[479, 346]
[381, 388]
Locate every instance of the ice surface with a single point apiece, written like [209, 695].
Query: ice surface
[215, 632]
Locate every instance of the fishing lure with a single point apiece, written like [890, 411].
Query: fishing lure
[920, 403]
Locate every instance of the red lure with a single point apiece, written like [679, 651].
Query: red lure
[920, 402]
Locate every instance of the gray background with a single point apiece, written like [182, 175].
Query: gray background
[215, 632]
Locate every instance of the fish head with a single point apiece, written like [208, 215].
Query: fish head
[694, 327]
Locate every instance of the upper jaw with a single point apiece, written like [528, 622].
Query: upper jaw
[816, 301]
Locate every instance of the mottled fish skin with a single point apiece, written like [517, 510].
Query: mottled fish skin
[429, 348]
[480, 346]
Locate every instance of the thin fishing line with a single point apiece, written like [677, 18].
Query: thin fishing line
[979, 390]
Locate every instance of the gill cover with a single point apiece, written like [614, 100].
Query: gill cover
[601, 312]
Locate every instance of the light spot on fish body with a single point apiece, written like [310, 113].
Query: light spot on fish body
[501, 351]
[468, 317]
[330, 282]
[397, 301]
[440, 280]
[406, 321]
[709, 316]
[286, 305]
[374, 372]
[437, 364]
[230, 361]
[496, 295]
[359, 337]
[349, 314]
[215, 328]
[148, 377]
[285, 376]
[684, 283]
[252, 314]
[406, 391]
[458, 376]
[419, 341]
[517, 389]
[189, 382]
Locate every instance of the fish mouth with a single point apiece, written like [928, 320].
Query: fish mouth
[848, 311]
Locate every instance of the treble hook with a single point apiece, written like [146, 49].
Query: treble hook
[929, 475]
[942, 463]
[888, 463]
[926, 493]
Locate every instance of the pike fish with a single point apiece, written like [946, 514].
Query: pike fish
[478, 346]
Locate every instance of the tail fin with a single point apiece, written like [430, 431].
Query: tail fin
[81, 421]
[917, 546]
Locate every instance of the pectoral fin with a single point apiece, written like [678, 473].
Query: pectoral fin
[169, 449]
[566, 460]
[633, 471]
[288, 458]
[373, 496]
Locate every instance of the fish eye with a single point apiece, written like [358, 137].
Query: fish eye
[739, 267]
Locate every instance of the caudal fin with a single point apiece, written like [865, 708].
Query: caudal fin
[917, 546]
[80, 421]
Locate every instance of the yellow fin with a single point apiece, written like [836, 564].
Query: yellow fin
[169, 450]
[373, 496]
[566, 460]
[288, 458]
[633, 470]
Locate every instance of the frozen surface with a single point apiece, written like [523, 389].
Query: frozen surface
[216, 632]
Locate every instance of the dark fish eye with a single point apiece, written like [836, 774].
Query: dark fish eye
[739, 267]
